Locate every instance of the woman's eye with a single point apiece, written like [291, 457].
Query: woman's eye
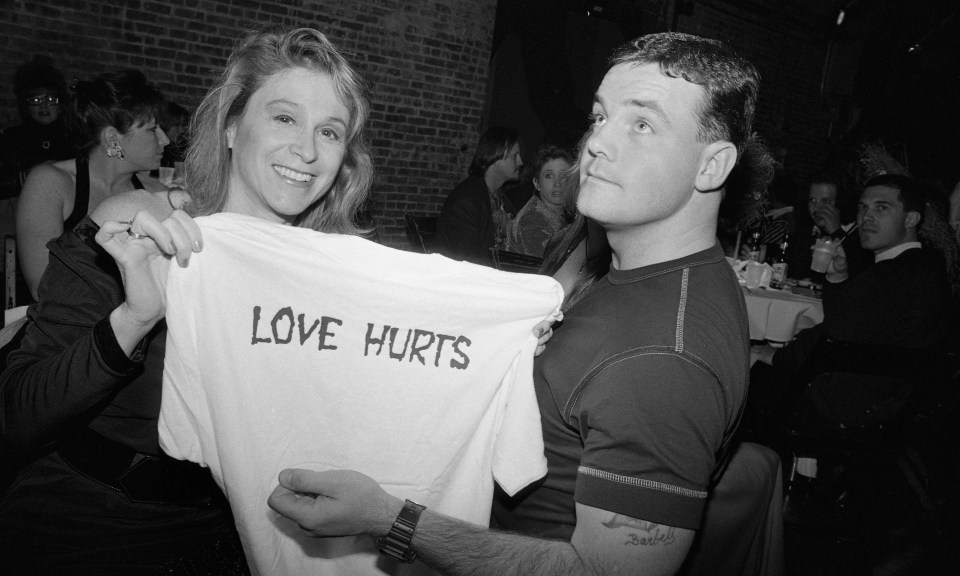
[330, 133]
[642, 126]
[597, 119]
[283, 119]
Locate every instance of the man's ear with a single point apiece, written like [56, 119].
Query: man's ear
[231, 132]
[912, 219]
[719, 159]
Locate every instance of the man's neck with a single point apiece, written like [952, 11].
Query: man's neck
[639, 246]
[493, 181]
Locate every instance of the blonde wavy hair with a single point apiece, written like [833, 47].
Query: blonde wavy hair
[257, 56]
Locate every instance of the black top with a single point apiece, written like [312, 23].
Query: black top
[81, 202]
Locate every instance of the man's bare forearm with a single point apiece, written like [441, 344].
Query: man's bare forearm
[604, 544]
[455, 548]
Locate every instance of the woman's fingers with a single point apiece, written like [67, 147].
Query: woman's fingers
[190, 227]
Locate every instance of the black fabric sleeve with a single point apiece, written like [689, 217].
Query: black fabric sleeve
[69, 362]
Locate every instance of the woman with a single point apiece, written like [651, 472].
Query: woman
[119, 136]
[578, 254]
[543, 216]
[41, 95]
[280, 137]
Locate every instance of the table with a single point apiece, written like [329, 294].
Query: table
[777, 315]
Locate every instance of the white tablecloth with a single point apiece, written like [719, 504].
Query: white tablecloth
[778, 315]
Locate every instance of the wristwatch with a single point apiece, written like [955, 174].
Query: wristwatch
[396, 542]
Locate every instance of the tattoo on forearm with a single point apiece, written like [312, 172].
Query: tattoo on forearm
[650, 534]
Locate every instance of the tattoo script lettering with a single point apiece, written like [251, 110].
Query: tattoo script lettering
[650, 534]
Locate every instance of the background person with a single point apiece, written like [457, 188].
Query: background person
[543, 215]
[901, 301]
[119, 136]
[43, 104]
[473, 219]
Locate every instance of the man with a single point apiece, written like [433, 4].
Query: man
[825, 220]
[641, 387]
[901, 301]
[473, 219]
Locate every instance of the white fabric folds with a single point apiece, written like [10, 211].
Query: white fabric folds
[292, 348]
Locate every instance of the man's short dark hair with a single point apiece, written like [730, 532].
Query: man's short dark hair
[912, 194]
[731, 83]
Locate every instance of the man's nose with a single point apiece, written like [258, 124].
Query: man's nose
[597, 142]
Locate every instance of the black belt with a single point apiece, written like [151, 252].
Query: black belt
[144, 478]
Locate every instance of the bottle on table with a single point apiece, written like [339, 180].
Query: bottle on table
[779, 276]
[754, 248]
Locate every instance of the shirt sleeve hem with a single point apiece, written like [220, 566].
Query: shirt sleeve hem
[644, 503]
[112, 355]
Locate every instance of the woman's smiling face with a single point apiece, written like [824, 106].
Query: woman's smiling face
[287, 147]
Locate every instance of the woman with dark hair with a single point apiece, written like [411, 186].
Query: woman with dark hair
[278, 137]
[118, 137]
[41, 95]
[473, 219]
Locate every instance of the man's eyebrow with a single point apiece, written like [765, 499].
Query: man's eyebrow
[648, 104]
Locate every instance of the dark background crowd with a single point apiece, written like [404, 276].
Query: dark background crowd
[477, 113]
[444, 71]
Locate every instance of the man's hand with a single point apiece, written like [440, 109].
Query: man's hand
[827, 218]
[334, 503]
[543, 331]
[837, 269]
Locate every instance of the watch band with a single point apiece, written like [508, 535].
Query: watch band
[396, 542]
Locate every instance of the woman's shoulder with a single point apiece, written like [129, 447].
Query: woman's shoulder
[61, 173]
[51, 178]
[124, 206]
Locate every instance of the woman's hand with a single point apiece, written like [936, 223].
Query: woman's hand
[141, 248]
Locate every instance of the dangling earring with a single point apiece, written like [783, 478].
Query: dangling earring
[114, 149]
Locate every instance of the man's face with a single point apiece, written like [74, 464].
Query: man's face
[882, 221]
[509, 166]
[642, 155]
[821, 194]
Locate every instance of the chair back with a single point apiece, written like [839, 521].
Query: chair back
[515, 261]
[742, 529]
[421, 232]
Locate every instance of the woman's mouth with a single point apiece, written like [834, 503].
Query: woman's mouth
[291, 174]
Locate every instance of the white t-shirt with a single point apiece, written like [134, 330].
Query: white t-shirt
[292, 348]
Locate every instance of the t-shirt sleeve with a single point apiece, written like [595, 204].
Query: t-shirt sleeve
[518, 458]
[184, 415]
[651, 425]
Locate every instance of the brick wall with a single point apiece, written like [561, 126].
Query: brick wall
[785, 41]
[426, 61]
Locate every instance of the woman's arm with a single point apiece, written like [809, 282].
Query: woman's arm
[83, 341]
[69, 363]
[40, 215]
